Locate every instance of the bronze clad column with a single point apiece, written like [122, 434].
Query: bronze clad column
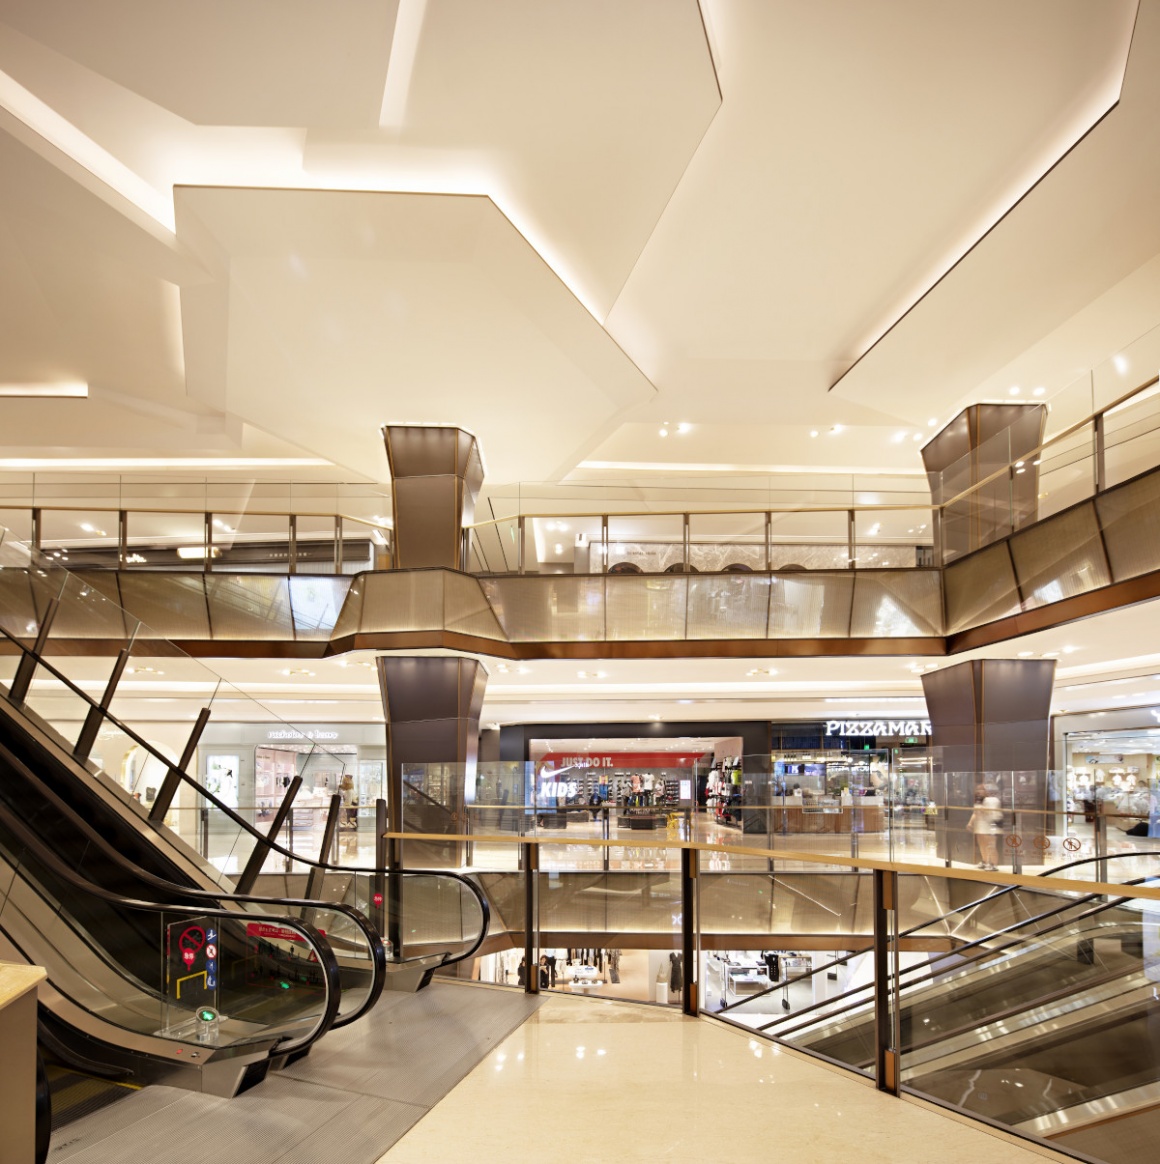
[436, 474]
[990, 724]
[979, 442]
[431, 705]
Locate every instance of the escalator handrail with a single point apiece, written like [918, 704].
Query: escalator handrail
[378, 954]
[923, 973]
[320, 947]
[993, 895]
[270, 845]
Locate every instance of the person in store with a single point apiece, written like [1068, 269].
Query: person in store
[349, 803]
[986, 823]
[522, 972]
[545, 973]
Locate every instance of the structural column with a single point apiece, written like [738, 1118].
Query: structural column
[976, 445]
[431, 705]
[990, 724]
[436, 474]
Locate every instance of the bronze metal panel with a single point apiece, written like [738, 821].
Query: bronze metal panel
[991, 714]
[980, 588]
[1060, 557]
[1129, 516]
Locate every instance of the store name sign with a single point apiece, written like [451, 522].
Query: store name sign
[878, 727]
[292, 734]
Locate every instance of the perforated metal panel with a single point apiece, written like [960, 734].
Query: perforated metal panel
[466, 609]
[85, 613]
[1130, 519]
[902, 604]
[172, 606]
[980, 589]
[249, 606]
[398, 601]
[553, 609]
[18, 613]
[1060, 557]
[643, 608]
[810, 605]
[728, 606]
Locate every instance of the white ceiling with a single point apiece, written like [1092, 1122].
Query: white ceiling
[696, 212]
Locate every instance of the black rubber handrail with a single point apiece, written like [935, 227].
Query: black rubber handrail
[994, 895]
[271, 845]
[378, 955]
[321, 949]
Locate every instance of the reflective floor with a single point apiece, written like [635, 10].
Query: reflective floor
[591, 1082]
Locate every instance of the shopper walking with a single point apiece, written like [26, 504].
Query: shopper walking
[987, 823]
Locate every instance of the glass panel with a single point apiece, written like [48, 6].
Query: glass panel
[1066, 474]
[650, 544]
[165, 541]
[79, 537]
[315, 541]
[812, 540]
[727, 541]
[494, 548]
[1132, 437]
[893, 538]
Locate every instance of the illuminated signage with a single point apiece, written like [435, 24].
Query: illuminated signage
[878, 727]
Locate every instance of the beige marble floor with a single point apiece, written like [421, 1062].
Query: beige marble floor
[589, 1082]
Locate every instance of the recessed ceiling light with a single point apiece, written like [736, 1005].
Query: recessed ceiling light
[1014, 390]
[1121, 363]
[917, 436]
[1070, 650]
[837, 428]
[1038, 391]
[932, 422]
[813, 432]
[664, 432]
[683, 428]
[1026, 654]
[1051, 654]
[899, 436]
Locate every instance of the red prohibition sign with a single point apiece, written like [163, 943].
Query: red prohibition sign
[1014, 841]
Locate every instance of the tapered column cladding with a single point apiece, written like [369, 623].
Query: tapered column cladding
[990, 735]
[436, 474]
[431, 705]
[989, 453]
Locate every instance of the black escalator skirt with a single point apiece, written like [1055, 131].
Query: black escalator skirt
[75, 1094]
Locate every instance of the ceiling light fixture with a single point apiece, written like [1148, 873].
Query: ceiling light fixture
[1038, 391]
[69, 463]
[67, 389]
[837, 428]
[813, 432]
[683, 428]
[1014, 390]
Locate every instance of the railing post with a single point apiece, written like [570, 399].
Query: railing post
[388, 913]
[685, 540]
[768, 540]
[37, 532]
[172, 781]
[292, 549]
[604, 543]
[530, 861]
[26, 668]
[886, 1040]
[122, 539]
[689, 1001]
[1100, 837]
[1099, 456]
[851, 540]
[338, 543]
[520, 535]
[936, 534]
[207, 542]
[257, 857]
[315, 883]
[96, 713]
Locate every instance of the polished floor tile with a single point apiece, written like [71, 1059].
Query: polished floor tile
[593, 1082]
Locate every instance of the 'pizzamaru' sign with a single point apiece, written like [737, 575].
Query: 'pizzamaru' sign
[878, 727]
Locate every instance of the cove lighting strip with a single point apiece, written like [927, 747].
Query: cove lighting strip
[64, 389]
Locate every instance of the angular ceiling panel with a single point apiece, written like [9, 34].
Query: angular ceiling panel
[221, 62]
[338, 312]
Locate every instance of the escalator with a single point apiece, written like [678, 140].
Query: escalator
[1050, 1026]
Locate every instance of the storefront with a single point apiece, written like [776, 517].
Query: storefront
[1111, 762]
[250, 766]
